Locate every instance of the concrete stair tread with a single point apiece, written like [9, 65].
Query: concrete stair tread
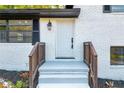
[60, 73]
[64, 65]
[63, 70]
[63, 85]
[64, 76]
[63, 80]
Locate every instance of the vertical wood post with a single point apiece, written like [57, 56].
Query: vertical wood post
[36, 58]
[91, 58]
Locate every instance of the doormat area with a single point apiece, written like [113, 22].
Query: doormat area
[108, 83]
[14, 79]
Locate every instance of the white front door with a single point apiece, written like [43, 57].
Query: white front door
[65, 39]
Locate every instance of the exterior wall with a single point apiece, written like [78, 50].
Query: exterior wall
[14, 56]
[104, 30]
[48, 37]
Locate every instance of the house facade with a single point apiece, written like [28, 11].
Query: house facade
[102, 25]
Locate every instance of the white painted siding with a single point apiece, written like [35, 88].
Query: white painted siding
[14, 56]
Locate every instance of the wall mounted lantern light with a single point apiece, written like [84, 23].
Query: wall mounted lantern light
[49, 25]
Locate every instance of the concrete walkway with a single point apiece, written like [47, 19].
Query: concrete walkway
[63, 74]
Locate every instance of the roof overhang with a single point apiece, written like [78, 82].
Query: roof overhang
[37, 13]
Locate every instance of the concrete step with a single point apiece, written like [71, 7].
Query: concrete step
[63, 76]
[63, 70]
[76, 85]
[63, 73]
[63, 80]
[63, 65]
[54, 68]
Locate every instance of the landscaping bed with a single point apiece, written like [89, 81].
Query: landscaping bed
[14, 79]
[108, 83]
[20, 79]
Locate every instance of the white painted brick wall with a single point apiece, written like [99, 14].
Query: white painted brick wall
[104, 30]
[14, 56]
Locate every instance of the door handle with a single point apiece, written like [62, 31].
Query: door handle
[72, 40]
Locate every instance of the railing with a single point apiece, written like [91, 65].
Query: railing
[36, 58]
[90, 58]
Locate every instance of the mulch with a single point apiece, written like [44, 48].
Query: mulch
[10, 75]
[116, 83]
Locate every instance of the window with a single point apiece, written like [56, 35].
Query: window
[3, 28]
[16, 31]
[113, 8]
[117, 8]
[2, 22]
[117, 55]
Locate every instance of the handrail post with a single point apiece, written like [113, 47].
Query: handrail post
[36, 57]
[30, 73]
[91, 57]
[96, 79]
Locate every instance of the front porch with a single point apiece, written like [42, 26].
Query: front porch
[63, 73]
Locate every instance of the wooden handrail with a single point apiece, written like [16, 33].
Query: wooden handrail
[33, 50]
[36, 58]
[90, 58]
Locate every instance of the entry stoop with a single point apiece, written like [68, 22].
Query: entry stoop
[60, 74]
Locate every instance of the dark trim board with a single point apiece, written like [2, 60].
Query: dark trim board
[36, 31]
[37, 13]
[106, 9]
[65, 58]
